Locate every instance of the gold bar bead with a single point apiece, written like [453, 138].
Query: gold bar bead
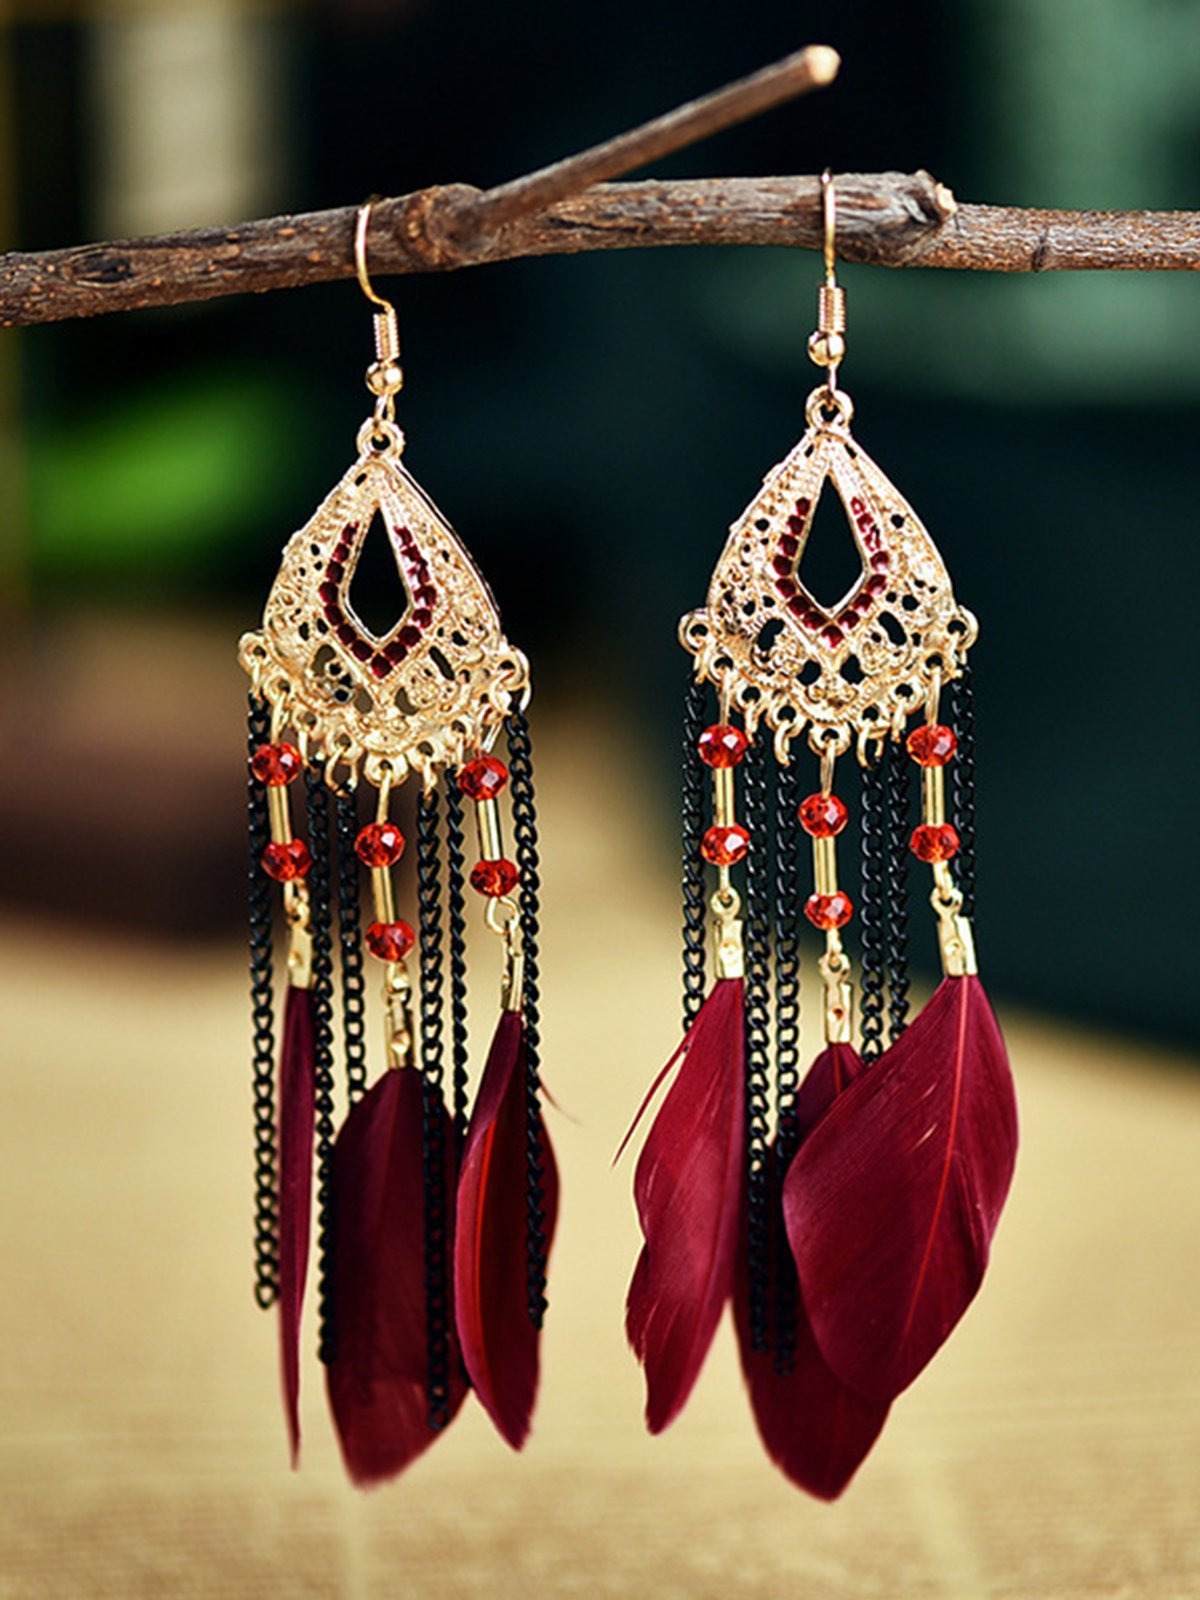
[724, 797]
[933, 796]
[280, 813]
[487, 821]
[825, 866]
[381, 890]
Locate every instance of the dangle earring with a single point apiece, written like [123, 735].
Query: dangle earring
[851, 1239]
[433, 1228]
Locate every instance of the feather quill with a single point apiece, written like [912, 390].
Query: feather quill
[499, 1340]
[815, 1429]
[297, 1112]
[893, 1199]
[688, 1187]
[378, 1379]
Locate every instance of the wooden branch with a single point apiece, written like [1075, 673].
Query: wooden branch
[812, 68]
[451, 226]
[888, 219]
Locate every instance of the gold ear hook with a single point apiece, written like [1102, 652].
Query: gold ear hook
[829, 213]
[827, 345]
[362, 223]
[385, 376]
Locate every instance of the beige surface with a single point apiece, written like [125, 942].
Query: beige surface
[1053, 1450]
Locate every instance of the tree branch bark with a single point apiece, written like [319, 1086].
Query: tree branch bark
[888, 219]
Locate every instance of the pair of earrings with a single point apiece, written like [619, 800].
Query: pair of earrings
[848, 1223]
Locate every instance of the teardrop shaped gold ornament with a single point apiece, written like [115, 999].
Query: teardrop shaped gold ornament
[429, 692]
[777, 655]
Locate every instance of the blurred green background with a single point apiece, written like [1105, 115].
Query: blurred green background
[593, 424]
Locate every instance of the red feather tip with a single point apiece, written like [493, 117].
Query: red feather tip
[297, 1111]
[893, 1199]
[498, 1337]
[378, 1379]
[688, 1187]
[815, 1429]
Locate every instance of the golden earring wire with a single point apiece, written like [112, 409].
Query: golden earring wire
[434, 1223]
[848, 1216]
[385, 375]
[827, 345]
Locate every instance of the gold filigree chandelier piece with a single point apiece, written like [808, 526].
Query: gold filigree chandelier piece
[426, 694]
[780, 657]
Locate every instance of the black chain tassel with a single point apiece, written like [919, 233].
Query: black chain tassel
[433, 1146]
[758, 953]
[962, 778]
[694, 721]
[787, 1046]
[896, 766]
[873, 900]
[456, 863]
[322, 1004]
[262, 1011]
[524, 814]
[354, 1035]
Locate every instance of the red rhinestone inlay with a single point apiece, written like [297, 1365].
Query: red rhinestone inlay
[381, 660]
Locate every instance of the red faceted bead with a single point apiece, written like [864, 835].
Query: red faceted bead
[379, 844]
[932, 744]
[822, 816]
[829, 911]
[390, 941]
[484, 778]
[722, 745]
[724, 844]
[934, 841]
[287, 861]
[276, 764]
[495, 878]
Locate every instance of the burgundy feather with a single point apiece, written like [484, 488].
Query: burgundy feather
[815, 1429]
[892, 1201]
[378, 1378]
[297, 1110]
[688, 1188]
[499, 1341]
